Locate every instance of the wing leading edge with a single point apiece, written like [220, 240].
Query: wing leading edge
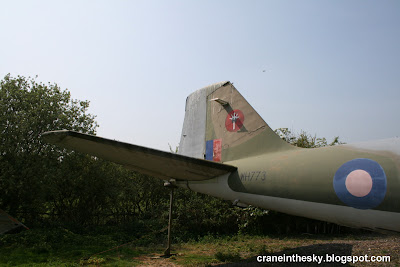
[160, 164]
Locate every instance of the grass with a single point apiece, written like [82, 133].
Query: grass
[55, 247]
[60, 247]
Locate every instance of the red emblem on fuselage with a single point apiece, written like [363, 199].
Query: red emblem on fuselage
[234, 120]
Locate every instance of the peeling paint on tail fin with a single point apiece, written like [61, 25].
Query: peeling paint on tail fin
[220, 125]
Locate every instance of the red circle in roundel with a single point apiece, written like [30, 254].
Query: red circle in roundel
[234, 120]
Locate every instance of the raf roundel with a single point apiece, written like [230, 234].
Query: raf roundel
[234, 120]
[360, 183]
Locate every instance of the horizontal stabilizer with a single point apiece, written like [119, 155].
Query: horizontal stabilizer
[160, 164]
[8, 223]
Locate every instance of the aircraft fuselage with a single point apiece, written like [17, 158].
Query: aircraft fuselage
[353, 185]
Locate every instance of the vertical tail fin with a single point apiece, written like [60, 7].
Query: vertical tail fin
[221, 125]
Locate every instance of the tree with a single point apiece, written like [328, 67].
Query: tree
[41, 183]
[28, 165]
[304, 139]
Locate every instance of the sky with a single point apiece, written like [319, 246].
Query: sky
[330, 68]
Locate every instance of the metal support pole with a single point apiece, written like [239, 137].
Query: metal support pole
[167, 252]
[171, 185]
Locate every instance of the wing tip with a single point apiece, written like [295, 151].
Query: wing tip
[54, 137]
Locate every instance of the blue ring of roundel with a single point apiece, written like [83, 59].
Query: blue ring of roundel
[378, 191]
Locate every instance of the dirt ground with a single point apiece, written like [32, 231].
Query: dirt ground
[340, 249]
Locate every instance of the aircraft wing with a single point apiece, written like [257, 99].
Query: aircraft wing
[160, 164]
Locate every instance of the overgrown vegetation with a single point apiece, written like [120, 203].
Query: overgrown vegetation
[61, 247]
[69, 198]
[44, 185]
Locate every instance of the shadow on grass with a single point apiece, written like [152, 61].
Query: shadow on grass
[339, 250]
